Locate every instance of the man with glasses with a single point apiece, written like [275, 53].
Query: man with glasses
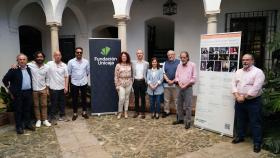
[185, 78]
[78, 69]
[170, 90]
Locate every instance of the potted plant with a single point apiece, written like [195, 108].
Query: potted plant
[6, 114]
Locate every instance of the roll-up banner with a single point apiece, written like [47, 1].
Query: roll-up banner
[219, 59]
[104, 54]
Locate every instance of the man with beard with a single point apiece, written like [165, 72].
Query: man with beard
[18, 82]
[185, 77]
[247, 89]
[78, 69]
[39, 72]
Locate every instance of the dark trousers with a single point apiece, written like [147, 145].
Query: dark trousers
[57, 102]
[75, 94]
[23, 107]
[249, 109]
[155, 103]
[140, 87]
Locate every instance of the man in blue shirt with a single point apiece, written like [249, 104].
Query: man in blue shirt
[18, 82]
[78, 69]
[170, 90]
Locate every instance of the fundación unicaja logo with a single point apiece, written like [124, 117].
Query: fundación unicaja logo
[105, 51]
[105, 60]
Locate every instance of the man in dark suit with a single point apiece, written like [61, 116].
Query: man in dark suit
[19, 83]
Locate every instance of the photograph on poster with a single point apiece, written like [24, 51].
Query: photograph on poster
[213, 56]
[214, 50]
[223, 50]
[225, 66]
[203, 65]
[204, 51]
[210, 66]
[217, 66]
[233, 50]
[233, 66]
[233, 57]
[223, 57]
[204, 57]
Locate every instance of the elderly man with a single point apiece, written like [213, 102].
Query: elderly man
[78, 69]
[247, 89]
[185, 77]
[170, 90]
[139, 69]
[19, 83]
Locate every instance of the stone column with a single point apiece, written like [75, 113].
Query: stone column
[211, 23]
[121, 20]
[54, 37]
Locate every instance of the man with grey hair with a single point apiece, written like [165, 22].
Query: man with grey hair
[170, 90]
[19, 83]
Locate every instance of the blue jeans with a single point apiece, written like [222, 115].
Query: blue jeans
[155, 103]
[249, 109]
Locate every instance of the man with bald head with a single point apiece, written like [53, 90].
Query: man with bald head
[58, 85]
[19, 83]
[247, 89]
[170, 90]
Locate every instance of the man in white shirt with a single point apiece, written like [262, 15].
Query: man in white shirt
[58, 83]
[139, 68]
[78, 69]
[40, 82]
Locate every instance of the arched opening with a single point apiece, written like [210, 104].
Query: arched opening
[30, 40]
[105, 31]
[159, 37]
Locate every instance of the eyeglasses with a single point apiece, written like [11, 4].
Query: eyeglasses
[79, 52]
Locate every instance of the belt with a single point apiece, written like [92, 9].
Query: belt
[26, 90]
[139, 79]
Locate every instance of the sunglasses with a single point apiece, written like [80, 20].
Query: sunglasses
[79, 52]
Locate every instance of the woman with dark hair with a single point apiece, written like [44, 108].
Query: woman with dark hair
[155, 87]
[123, 82]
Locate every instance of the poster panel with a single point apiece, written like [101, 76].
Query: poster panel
[219, 59]
[104, 54]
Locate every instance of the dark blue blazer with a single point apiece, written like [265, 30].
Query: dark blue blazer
[13, 80]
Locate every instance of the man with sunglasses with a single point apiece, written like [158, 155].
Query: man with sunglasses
[78, 69]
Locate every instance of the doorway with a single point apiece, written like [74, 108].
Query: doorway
[67, 47]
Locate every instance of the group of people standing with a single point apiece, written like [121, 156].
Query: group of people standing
[31, 83]
[174, 80]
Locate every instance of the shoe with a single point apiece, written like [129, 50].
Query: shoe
[136, 115]
[84, 115]
[157, 116]
[143, 116]
[119, 115]
[30, 127]
[188, 125]
[178, 122]
[38, 123]
[257, 148]
[47, 123]
[152, 116]
[75, 116]
[125, 115]
[237, 140]
[164, 114]
[20, 131]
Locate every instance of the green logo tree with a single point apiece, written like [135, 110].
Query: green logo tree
[105, 51]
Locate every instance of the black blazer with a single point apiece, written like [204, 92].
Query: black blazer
[13, 80]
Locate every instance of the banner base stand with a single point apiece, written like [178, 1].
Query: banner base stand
[105, 113]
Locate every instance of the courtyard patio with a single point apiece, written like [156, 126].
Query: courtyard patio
[105, 136]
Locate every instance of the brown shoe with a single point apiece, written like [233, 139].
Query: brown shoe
[143, 116]
[135, 115]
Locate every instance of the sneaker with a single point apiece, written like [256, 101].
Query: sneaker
[157, 116]
[136, 115]
[164, 115]
[38, 123]
[46, 123]
[63, 118]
